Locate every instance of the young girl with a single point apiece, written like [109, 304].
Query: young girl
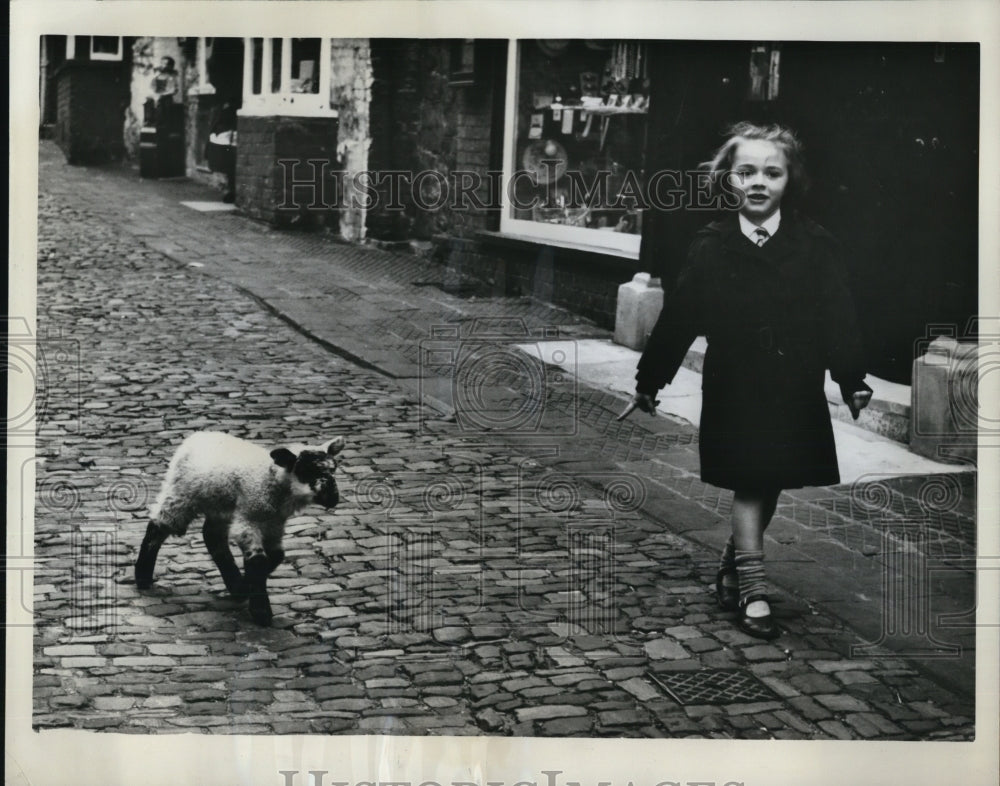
[766, 288]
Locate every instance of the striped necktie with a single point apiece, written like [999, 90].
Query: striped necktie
[761, 236]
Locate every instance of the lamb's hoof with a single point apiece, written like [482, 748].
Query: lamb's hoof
[143, 578]
[260, 610]
[238, 592]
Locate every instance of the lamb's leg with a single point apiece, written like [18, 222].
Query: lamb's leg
[171, 515]
[256, 588]
[146, 562]
[256, 568]
[216, 535]
[275, 556]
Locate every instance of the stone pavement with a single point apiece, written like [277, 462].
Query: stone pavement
[506, 559]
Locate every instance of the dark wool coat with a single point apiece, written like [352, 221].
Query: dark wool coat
[775, 317]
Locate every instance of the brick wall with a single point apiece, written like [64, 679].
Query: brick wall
[91, 100]
[267, 190]
[421, 122]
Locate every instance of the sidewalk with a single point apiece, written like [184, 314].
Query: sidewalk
[836, 549]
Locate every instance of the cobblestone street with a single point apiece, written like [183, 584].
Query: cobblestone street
[523, 584]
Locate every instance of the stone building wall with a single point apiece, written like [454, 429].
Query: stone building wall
[421, 122]
[350, 94]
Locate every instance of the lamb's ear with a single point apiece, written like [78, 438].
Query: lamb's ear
[284, 458]
[334, 446]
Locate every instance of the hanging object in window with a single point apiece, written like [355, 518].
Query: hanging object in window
[552, 47]
[546, 159]
[765, 62]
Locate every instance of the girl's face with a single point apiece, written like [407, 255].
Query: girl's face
[760, 170]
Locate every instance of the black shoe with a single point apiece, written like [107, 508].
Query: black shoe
[758, 627]
[727, 596]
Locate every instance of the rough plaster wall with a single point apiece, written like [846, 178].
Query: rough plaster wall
[350, 95]
[146, 54]
[193, 140]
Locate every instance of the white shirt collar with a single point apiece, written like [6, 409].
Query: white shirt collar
[747, 227]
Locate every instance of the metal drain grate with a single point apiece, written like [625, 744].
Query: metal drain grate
[713, 686]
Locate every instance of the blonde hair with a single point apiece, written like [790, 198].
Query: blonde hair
[721, 163]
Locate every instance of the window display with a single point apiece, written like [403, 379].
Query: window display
[577, 113]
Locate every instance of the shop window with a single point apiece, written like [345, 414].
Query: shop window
[287, 76]
[93, 47]
[575, 142]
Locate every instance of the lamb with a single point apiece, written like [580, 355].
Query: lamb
[231, 481]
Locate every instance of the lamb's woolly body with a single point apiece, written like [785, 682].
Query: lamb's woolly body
[244, 492]
[221, 476]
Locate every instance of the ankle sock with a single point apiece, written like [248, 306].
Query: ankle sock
[727, 564]
[750, 567]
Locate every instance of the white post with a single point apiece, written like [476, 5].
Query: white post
[325, 66]
[286, 66]
[43, 67]
[247, 69]
[265, 68]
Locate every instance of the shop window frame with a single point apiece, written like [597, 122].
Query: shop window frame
[582, 238]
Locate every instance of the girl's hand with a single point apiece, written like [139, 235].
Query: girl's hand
[859, 400]
[643, 401]
[856, 395]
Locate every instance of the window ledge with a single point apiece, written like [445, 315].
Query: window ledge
[282, 109]
[513, 238]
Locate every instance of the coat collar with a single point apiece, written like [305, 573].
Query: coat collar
[785, 241]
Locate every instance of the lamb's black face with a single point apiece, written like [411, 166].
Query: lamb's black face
[315, 469]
